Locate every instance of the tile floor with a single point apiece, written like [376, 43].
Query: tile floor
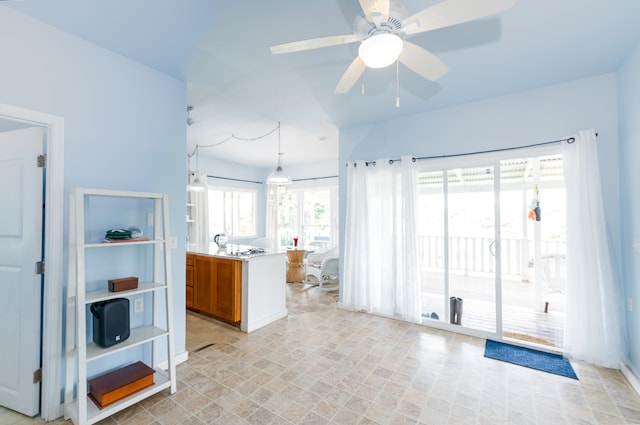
[323, 365]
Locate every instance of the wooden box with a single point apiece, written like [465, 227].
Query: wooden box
[123, 284]
[113, 386]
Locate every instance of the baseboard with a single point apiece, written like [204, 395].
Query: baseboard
[631, 377]
[54, 413]
[257, 324]
[180, 358]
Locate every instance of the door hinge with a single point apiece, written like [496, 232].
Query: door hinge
[40, 267]
[37, 376]
[42, 161]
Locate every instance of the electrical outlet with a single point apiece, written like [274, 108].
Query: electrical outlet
[173, 241]
[138, 305]
[629, 304]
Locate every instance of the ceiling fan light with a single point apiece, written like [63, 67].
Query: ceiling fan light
[380, 50]
[278, 177]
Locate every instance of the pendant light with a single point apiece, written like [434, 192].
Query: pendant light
[196, 185]
[190, 121]
[278, 176]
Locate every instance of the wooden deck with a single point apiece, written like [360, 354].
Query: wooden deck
[520, 319]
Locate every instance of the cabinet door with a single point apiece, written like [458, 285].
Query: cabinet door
[203, 291]
[189, 281]
[189, 297]
[228, 281]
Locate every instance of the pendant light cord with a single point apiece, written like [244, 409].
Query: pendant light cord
[234, 137]
[279, 151]
[397, 84]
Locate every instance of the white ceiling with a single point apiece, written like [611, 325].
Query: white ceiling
[221, 49]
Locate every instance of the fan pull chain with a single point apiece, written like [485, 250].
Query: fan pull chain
[362, 86]
[397, 84]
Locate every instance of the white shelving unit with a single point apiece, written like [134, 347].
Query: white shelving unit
[189, 212]
[190, 223]
[80, 352]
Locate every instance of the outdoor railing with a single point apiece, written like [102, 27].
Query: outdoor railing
[471, 254]
[312, 236]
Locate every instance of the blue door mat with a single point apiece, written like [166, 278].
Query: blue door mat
[534, 359]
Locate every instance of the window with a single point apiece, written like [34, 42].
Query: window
[310, 214]
[233, 212]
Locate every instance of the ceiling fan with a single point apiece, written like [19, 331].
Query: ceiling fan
[382, 31]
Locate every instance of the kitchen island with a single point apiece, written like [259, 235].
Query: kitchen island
[238, 284]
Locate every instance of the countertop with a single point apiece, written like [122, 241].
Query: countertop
[235, 252]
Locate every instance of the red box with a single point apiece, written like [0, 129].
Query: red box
[113, 386]
[123, 284]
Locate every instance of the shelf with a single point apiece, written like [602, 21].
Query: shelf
[138, 336]
[94, 414]
[105, 294]
[124, 243]
[149, 339]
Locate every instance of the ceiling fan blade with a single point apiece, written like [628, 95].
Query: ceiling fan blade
[452, 12]
[350, 76]
[376, 11]
[314, 43]
[422, 62]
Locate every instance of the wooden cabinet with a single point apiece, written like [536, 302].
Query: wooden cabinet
[189, 281]
[217, 284]
[228, 287]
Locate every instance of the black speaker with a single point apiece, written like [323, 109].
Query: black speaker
[110, 321]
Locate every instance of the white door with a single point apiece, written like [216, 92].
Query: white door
[21, 217]
[458, 227]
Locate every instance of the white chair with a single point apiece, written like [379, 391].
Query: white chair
[322, 269]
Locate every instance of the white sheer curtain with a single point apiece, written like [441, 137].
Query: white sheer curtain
[199, 229]
[381, 251]
[272, 213]
[593, 316]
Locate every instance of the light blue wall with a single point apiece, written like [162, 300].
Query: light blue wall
[629, 107]
[315, 169]
[540, 115]
[124, 123]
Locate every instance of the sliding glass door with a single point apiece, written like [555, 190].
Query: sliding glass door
[488, 264]
[431, 243]
[472, 247]
[457, 210]
[533, 249]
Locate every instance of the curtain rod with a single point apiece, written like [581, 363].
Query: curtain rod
[569, 140]
[257, 182]
[232, 179]
[315, 178]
